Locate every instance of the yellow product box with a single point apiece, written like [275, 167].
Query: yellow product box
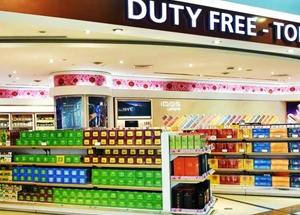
[6, 178]
[241, 147]
[215, 179]
[247, 180]
[249, 147]
[241, 164]
[280, 179]
[244, 133]
[60, 159]
[248, 164]
[279, 167]
[213, 163]
[281, 162]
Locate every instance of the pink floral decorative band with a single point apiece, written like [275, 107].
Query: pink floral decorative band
[79, 79]
[24, 93]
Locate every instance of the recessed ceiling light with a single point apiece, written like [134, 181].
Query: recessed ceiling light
[121, 61]
[87, 31]
[118, 30]
[14, 72]
[17, 78]
[289, 78]
[200, 75]
[272, 73]
[290, 50]
[51, 60]
[190, 65]
[217, 41]
[240, 68]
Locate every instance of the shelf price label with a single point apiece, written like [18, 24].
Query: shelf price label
[264, 150]
[261, 136]
[213, 137]
[44, 143]
[296, 150]
[224, 150]
[277, 136]
[246, 136]
[295, 135]
[242, 150]
[97, 143]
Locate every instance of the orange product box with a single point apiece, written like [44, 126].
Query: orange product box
[226, 133]
[213, 163]
[279, 167]
[277, 150]
[278, 132]
[280, 179]
[248, 164]
[281, 162]
[179, 167]
[215, 179]
[278, 145]
[191, 166]
[280, 184]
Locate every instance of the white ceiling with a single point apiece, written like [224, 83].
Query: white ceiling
[31, 60]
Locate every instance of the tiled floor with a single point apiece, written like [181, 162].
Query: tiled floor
[239, 205]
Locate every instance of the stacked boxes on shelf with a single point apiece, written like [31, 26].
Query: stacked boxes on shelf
[47, 158]
[138, 178]
[9, 192]
[279, 147]
[280, 181]
[50, 175]
[295, 181]
[6, 157]
[220, 162]
[189, 196]
[261, 147]
[191, 141]
[51, 138]
[294, 164]
[262, 164]
[294, 146]
[191, 166]
[279, 164]
[5, 174]
[264, 181]
[37, 194]
[108, 198]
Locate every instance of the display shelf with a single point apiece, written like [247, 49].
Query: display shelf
[83, 165]
[80, 147]
[45, 121]
[229, 170]
[203, 211]
[191, 151]
[271, 170]
[291, 139]
[128, 147]
[227, 153]
[195, 179]
[226, 140]
[84, 186]
[271, 154]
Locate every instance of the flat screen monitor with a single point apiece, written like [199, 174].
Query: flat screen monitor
[131, 124]
[134, 109]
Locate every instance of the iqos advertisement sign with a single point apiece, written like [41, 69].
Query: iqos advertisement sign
[213, 22]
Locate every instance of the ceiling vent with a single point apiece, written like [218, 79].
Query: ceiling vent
[143, 66]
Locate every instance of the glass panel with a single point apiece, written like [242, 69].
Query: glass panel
[97, 111]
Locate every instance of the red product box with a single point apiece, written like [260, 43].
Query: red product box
[140, 133]
[231, 147]
[232, 163]
[235, 179]
[223, 163]
[104, 134]
[87, 134]
[192, 167]
[221, 147]
[95, 133]
[130, 142]
[226, 133]
[103, 141]
[224, 179]
[179, 166]
[130, 133]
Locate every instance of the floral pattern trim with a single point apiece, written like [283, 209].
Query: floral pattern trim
[79, 79]
[24, 93]
[202, 87]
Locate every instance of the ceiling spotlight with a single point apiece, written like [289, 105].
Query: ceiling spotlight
[217, 41]
[289, 78]
[14, 72]
[200, 75]
[240, 69]
[17, 78]
[190, 65]
[290, 50]
[121, 61]
[117, 30]
[87, 31]
[272, 73]
[51, 60]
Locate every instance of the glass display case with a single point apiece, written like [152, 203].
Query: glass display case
[45, 121]
[22, 121]
[4, 122]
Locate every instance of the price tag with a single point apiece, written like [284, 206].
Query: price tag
[242, 150]
[277, 136]
[264, 150]
[97, 144]
[224, 150]
[261, 136]
[295, 135]
[44, 143]
[229, 136]
[246, 136]
[213, 137]
[296, 150]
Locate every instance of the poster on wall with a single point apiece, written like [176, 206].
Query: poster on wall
[97, 112]
[293, 112]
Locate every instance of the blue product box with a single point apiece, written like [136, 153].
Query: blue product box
[67, 172]
[258, 150]
[67, 180]
[51, 179]
[294, 162]
[74, 180]
[58, 180]
[262, 144]
[294, 167]
[29, 170]
[59, 172]
[15, 170]
[263, 178]
[82, 172]
[262, 167]
[82, 180]
[16, 177]
[262, 161]
[74, 172]
[263, 184]
[293, 184]
[260, 133]
[29, 177]
[36, 178]
[295, 179]
[51, 172]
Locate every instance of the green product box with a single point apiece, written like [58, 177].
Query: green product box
[172, 141]
[79, 134]
[54, 142]
[52, 159]
[22, 178]
[104, 181]
[72, 201]
[68, 159]
[113, 203]
[29, 134]
[132, 204]
[140, 205]
[140, 196]
[157, 174]
[80, 193]
[184, 144]
[45, 159]
[42, 190]
[19, 142]
[88, 194]
[71, 142]
[130, 196]
[130, 174]
[17, 158]
[57, 191]
[95, 202]
[26, 142]
[44, 134]
[113, 195]
[96, 194]
[113, 173]
[56, 199]
[76, 159]
[138, 182]
[80, 201]
[28, 198]
[43, 179]
[95, 173]
[73, 193]
[36, 178]
[149, 174]
[15, 171]
[64, 192]
[49, 192]
[29, 171]
[22, 170]
[133, 182]
[158, 205]
[104, 202]
[121, 204]
[178, 142]
[149, 205]
[42, 199]
[148, 196]
[122, 174]
[104, 173]
[33, 142]
[59, 134]
[23, 134]
[139, 174]
[39, 159]
[88, 201]
[69, 134]
[203, 141]
[113, 181]
[122, 195]
[34, 198]
[157, 196]
[15, 178]
[104, 194]
[78, 142]
[121, 182]
[37, 135]
[197, 141]
[157, 183]
[148, 182]
[62, 142]
[95, 181]
[43, 172]
[190, 142]
[52, 134]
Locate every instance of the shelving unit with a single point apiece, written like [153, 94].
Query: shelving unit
[45, 121]
[22, 121]
[80, 147]
[4, 121]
